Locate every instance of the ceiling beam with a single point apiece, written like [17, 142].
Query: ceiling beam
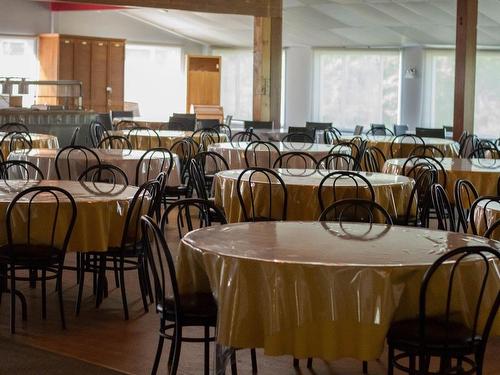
[258, 8]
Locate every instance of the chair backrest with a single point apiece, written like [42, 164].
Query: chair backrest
[356, 210]
[261, 154]
[427, 151]
[465, 194]
[115, 142]
[331, 136]
[358, 130]
[467, 142]
[412, 165]
[148, 137]
[430, 132]
[25, 218]
[186, 121]
[297, 141]
[343, 185]
[295, 160]
[105, 120]
[71, 161]
[228, 120]
[184, 149]
[492, 230]
[126, 125]
[17, 140]
[479, 220]
[151, 163]
[485, 149]
[197, 179]
[400, 144]
[271, 187]
[122, 114]
[446, 272]
[400, 129]
[145, 202]
[211, 163]
[74, 136]
[348, 148]
[224, 129]
[206, 137]
[208, 124]
[444, 211]
[257, 125]
[425, 175]
[245, 136]
[97, 132]
[310, 132]
[337, 162]
[14, 127]
[319, 125]
[20, 170]
[373, 159]
[378, 129]
[106, 173]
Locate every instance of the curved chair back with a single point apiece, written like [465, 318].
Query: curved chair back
[105, 173]
[261, 154]
[337, 162]
[20, 170]
[295, 160]
[400, 144]
[151, 163]
[444, 211]
[14, 127]
[427, 151]
[356, 210]
[373, 160]
[115, 142]
[465, 194]
[71, 161]
[343, 185]
[479, 220]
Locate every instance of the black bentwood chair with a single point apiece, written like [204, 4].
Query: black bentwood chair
[465, 194]
[116, 142]
[357, 211]
[71, 161]
[460, 347]
[444, 211]
[148, 137]
[32, 249]
[261, 154]
[20, 170]
[97, 132]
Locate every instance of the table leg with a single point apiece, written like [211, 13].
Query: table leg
[222, 358]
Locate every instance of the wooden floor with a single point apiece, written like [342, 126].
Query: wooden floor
[101, 336]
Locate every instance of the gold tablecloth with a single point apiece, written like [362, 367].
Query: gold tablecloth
[484, 218]
[317, 289]
[126, 160]
[483, 173]
[235, 154]
[102, 211]
[449, 147]
[391, 192]
[37, 141]
[144, 140]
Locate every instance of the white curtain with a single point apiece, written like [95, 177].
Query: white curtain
[356, 87]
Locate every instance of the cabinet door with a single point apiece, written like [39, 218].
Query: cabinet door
[116, 75]
[98, 70]
[82, 65]
[66, 58]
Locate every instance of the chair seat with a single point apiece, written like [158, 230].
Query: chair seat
[30, 254]
[197, 309]
[437, 334]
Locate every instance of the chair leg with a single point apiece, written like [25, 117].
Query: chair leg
[295, 362]
[159, 350]
[78, 266]
[61, 301]
[207, 350]
[44, 294]
[142, 284]
[80, 286]
[148, 280]
[390, 360]
[309, 363]
[234, 367]
[365, 367]
[412, 365]
[177, 350]
[122, 287]
[12, 300]
[253, 355]
[115, 271]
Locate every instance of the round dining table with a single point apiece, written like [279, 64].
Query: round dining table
[391, 192]
[126, 160]
[234, 153]
[405, 146]
[322, 289]
[37, 141]
[146, 139]
[101, 212]
[483, 173]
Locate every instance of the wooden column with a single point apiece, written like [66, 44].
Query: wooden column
[465, 67]
[268, 33]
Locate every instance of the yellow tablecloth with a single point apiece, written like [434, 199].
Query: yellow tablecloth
[235, 154]
[484, 218]
[101, 215]
[449, 147]
[144, 140]
[392, 192]
[316, 289]
[483, 173]
[126, 160]
[37, 141]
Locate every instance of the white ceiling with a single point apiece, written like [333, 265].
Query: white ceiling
[335, 23]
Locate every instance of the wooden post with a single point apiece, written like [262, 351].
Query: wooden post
[268, 33]
[465, 67]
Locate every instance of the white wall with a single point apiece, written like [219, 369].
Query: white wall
[411, 89]
[298, 87]
[24, 17]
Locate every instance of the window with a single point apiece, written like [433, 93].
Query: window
[236, 82]
[356, 87]
[154, 79]
[487, 113]
[18, 59]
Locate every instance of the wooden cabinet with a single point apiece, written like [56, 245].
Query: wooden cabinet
[98, 63]
[203, 80]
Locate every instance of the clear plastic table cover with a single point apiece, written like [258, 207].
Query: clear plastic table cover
[392, 192]
[483, 173]
[449, 147]
[126, 160]
[235, 154]
[144, 139]
[320, 289]
[37, 141]
[102, 210]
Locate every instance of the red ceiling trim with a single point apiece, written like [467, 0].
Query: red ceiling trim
[62, 7]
